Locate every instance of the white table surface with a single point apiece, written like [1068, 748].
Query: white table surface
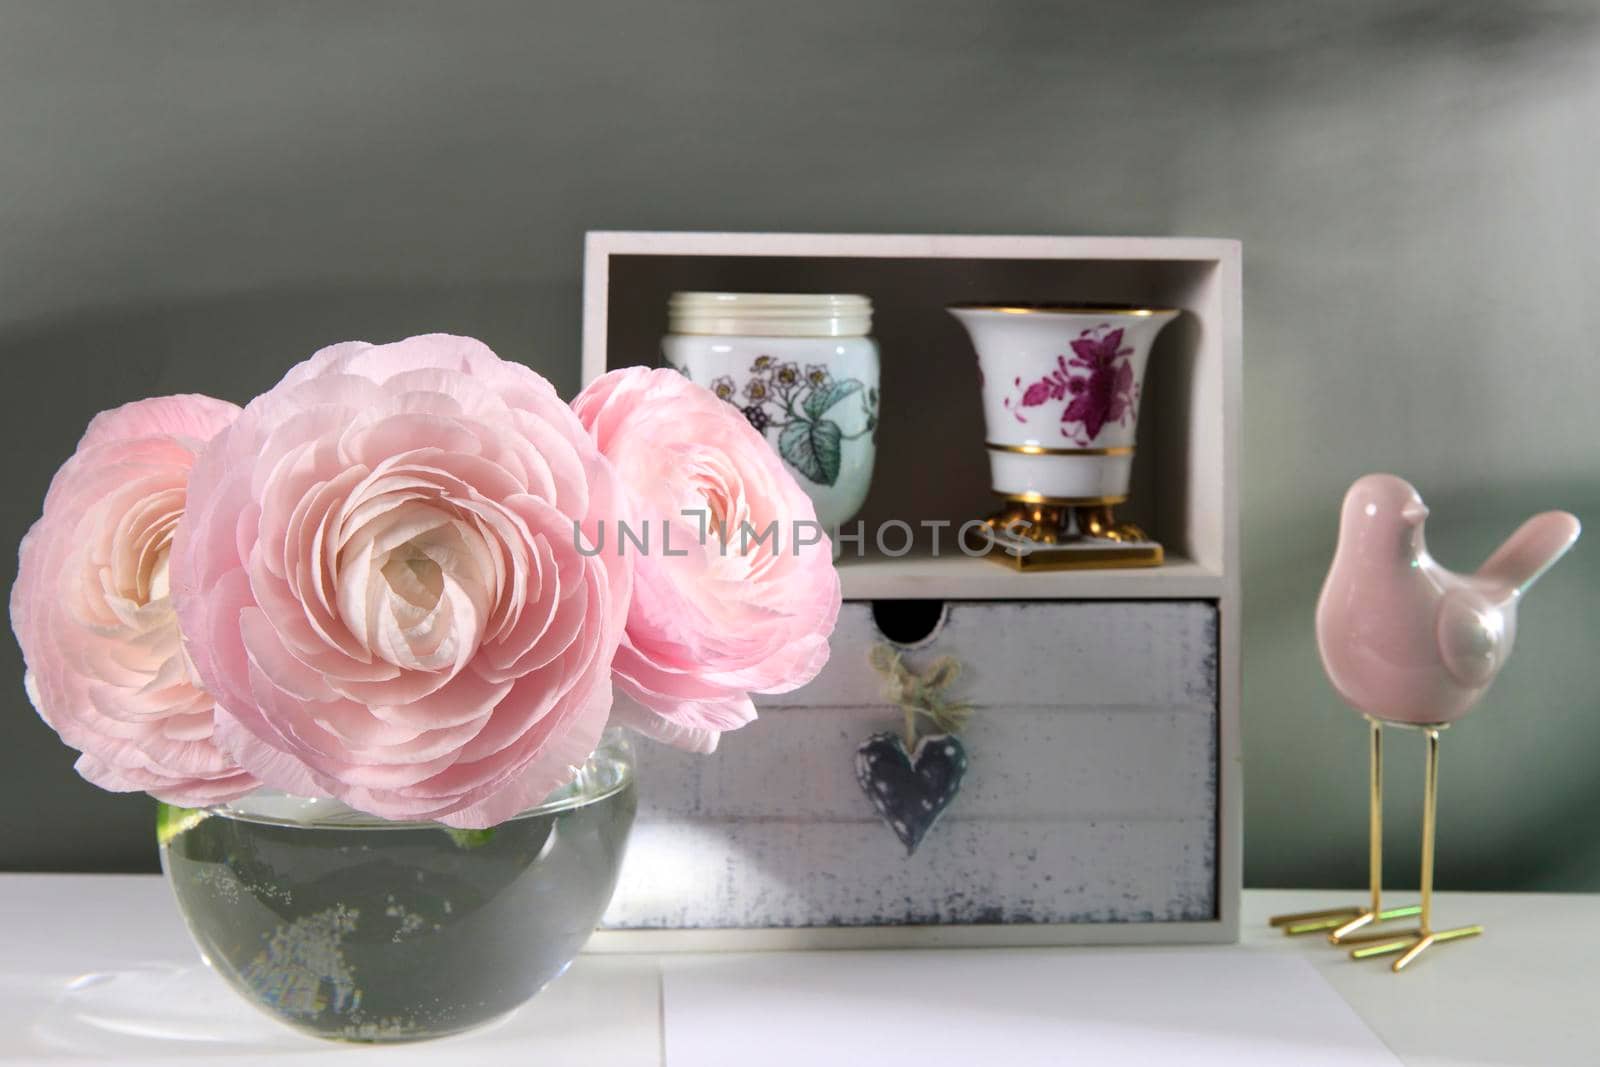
[1526, 993]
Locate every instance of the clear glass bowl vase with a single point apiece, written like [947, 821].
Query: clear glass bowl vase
[350, 927]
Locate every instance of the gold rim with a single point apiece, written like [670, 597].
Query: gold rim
[1025, 308]
[1063, 501]
[1040, 450]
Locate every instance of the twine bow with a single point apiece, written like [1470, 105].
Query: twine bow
[920, 694]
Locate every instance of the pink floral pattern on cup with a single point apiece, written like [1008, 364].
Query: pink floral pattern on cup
[1098, 380]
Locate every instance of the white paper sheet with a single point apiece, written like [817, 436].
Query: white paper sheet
[1221, 1006]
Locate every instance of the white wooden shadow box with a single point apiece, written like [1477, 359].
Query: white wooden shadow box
[1101, 797]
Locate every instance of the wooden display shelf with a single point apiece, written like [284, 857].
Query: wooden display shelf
[931, 467]
[958, 577]
[931, 464]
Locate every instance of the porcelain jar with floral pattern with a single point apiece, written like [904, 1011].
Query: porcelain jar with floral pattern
[804, 370]
[1061, 390]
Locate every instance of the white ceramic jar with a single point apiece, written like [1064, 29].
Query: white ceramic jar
[1061, 388]
[803, 369]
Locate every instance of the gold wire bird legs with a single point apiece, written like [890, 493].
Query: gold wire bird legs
[1415, 943]
[1343, 923]
[1038, 533]
[1375, 913]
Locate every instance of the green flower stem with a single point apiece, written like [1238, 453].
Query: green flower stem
[470, 838]
[172, 820]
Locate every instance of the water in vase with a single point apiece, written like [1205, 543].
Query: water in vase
[351, 928]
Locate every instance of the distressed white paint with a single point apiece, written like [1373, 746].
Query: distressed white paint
[1091, 794]
[798, 763]
[1045, 653]
[787, 872]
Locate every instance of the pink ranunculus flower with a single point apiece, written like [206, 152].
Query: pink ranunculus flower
[713, 620]
[92, 613]
[383, 583]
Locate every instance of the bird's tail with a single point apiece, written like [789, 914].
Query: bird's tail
[1531, 551]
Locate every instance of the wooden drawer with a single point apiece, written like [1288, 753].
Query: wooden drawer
[1090, 802]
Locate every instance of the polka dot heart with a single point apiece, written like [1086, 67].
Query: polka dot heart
[911, 790]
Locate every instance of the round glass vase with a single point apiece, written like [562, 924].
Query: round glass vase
[350, 927]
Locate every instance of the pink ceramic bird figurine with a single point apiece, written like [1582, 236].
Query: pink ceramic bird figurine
[1407, 642]
[1402, 638]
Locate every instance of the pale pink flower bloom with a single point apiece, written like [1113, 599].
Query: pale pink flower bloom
[711, 623]
[382, 584]
[92, 612]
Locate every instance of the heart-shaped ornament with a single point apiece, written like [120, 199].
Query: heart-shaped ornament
[911, 790]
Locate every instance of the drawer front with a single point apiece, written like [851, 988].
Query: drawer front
[1091, 791]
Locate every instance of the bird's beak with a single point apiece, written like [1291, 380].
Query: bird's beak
[1414, 512]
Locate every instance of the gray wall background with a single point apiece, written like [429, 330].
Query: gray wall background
[195, 195]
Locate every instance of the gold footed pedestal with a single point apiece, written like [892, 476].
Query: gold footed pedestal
[1039, 533]
[1345, 926]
